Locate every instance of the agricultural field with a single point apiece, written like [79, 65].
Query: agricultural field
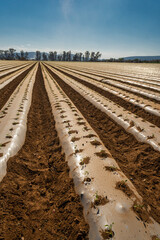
[79, 150]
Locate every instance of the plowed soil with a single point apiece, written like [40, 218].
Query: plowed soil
[6, 92]
[126, 105]
[37, 197]
[121, 87]
[14, 71]
[139, 161]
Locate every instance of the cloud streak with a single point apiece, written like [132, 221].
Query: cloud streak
[66, 7]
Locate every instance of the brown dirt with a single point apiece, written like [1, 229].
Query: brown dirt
[7, 74]
[99, 200]
[6, 92]
[122, 185]
[116, 80]
[118, 100]
[107, 234]
[139, 161]
[11, 67]
[37, 196]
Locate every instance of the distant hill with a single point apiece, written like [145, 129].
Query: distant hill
[32, 55]
[143, 58]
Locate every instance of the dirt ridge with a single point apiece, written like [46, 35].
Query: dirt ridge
[6, 92]
[118, 100]
[139, 161]
[37, 196]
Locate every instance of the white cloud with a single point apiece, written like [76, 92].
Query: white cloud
[66, 6]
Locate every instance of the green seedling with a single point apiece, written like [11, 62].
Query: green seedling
[86, 173]
[108, 232]
[138, 206]
[84, 161]
[96, 196]
[123, 182]
[110, 168]
[81, 162]
[109, 227]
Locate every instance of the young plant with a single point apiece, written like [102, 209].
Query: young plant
[108, 232]
[110, 168]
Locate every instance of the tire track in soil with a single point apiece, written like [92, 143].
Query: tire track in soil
[37, 197]
[139, 161]
[6, 92]
[121, 102]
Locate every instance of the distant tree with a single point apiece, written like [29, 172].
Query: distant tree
[75, 57]
[11, 53]
[1, 54]
[26, 55]
[68, 56]
[6, 54]
[17, 57]
[120, 59]
[87, 55]
[22, 55]
[55, 55]
[51, 56]
[92, 56]
[80, 56]
[44, 56]
[112, 60]
[136, 60]
[60, 57]
[38, 55]
[97, 56]
[64, 55]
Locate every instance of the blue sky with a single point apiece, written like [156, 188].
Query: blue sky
[116, 28]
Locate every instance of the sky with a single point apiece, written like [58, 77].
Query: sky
[116, 28]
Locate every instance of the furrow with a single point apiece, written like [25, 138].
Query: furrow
[117, 77]
[7, 67]
[133, 157]
[38, 200]
[138, 92]
[7, 90]
[152, 115]
[141, 129]
[9, 72]
[103, 184]
[14, 113]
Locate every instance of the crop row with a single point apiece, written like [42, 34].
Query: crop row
[107, 194]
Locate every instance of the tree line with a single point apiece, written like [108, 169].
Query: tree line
[68, 56]
[11, 54]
